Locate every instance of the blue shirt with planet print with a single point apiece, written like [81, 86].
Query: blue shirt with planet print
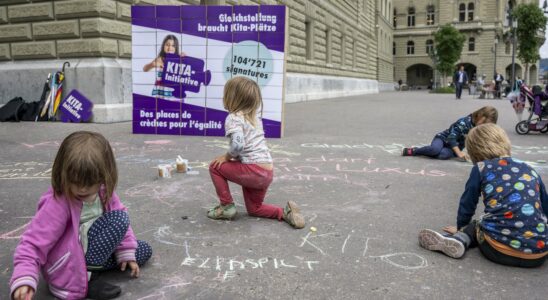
[516, 203]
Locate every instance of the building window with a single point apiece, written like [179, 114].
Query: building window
[328, 52]
[309, 39]
[411, 17]
[410, 47]
[394, 48]
[466, 13]
[470, 11]
[430, 15]
[343, 50]
[354, 48]
[507, 48]
[429, 46]
[462, 12]
[395, 18]
[471, 44]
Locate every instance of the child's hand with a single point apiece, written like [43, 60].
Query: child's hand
[159, 63]
[24, 292]
[218, 161]
[133, 266]
[450, 229]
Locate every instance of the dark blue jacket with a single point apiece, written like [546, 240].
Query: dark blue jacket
[516, 203]
[464, 77]
[455, 135]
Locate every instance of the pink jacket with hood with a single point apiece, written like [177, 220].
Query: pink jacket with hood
[51, 244]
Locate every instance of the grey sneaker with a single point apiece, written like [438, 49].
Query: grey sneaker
[292, 215]
[222, 212]
[434, 241]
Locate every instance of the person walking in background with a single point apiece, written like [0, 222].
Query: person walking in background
[498, 83]
[460, 80]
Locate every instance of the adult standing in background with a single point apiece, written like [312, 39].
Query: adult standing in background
[460, 80]
[498, 83]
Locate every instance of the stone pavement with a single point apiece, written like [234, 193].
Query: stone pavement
[339, 160]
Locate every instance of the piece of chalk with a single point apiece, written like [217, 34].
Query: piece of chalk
[313, 229]
[179, 157]
[541, 161]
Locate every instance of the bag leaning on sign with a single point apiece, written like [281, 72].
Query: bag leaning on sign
[45, 109]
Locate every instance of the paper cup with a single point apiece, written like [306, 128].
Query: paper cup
[164, 171]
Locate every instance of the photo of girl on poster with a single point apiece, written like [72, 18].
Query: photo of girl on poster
[170, 45]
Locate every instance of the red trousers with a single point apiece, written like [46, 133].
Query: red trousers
[254, 181]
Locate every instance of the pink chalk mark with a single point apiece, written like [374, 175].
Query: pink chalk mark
[158, 142]
[52, 143]
[8, 235]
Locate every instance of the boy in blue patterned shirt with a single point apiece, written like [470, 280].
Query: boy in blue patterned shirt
[450, 142]
[513, 229]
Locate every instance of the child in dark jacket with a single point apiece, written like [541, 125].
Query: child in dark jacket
[80, 227]
[513, 229]
[450, 142]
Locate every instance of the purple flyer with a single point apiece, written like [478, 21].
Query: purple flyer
[182, 56]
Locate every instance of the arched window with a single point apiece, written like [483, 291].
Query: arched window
[395, 18]
[462, 12]
[410, 47]
[471, 11]
[471, 44]
[430, 15]
[429, 47]
[394, 48]
[411, 17]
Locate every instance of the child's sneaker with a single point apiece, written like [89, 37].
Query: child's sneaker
[100, 289]
[434, 241]
[222, 212]
[292, 215]
[408, 152]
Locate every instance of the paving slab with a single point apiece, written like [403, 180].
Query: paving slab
[339, 159]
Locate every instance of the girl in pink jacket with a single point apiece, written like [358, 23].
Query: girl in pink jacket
[80, 227]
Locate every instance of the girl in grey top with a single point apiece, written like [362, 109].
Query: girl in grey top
[248, 161]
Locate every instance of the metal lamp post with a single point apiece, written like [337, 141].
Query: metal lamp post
[514, 26]
[434, 57]
[495, 51]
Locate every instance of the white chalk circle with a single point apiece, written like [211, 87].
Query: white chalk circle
[389, 258]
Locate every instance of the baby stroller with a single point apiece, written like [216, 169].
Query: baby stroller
[538, 110]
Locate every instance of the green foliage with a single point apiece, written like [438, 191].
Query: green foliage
[443, 90]
[449, 42]
[531, 20]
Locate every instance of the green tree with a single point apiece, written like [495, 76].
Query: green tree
[449, 42]
[531, 21]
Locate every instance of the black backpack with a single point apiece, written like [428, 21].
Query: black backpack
[18, 110]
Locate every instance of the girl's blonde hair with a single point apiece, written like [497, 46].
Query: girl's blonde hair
[84, 159]
[242, 94]
[490, 113]
[487, 141]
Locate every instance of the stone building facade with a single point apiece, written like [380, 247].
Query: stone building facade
[331, 48]
[487, 47]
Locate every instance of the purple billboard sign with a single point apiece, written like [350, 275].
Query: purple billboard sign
[76, 108]
[183, 55]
